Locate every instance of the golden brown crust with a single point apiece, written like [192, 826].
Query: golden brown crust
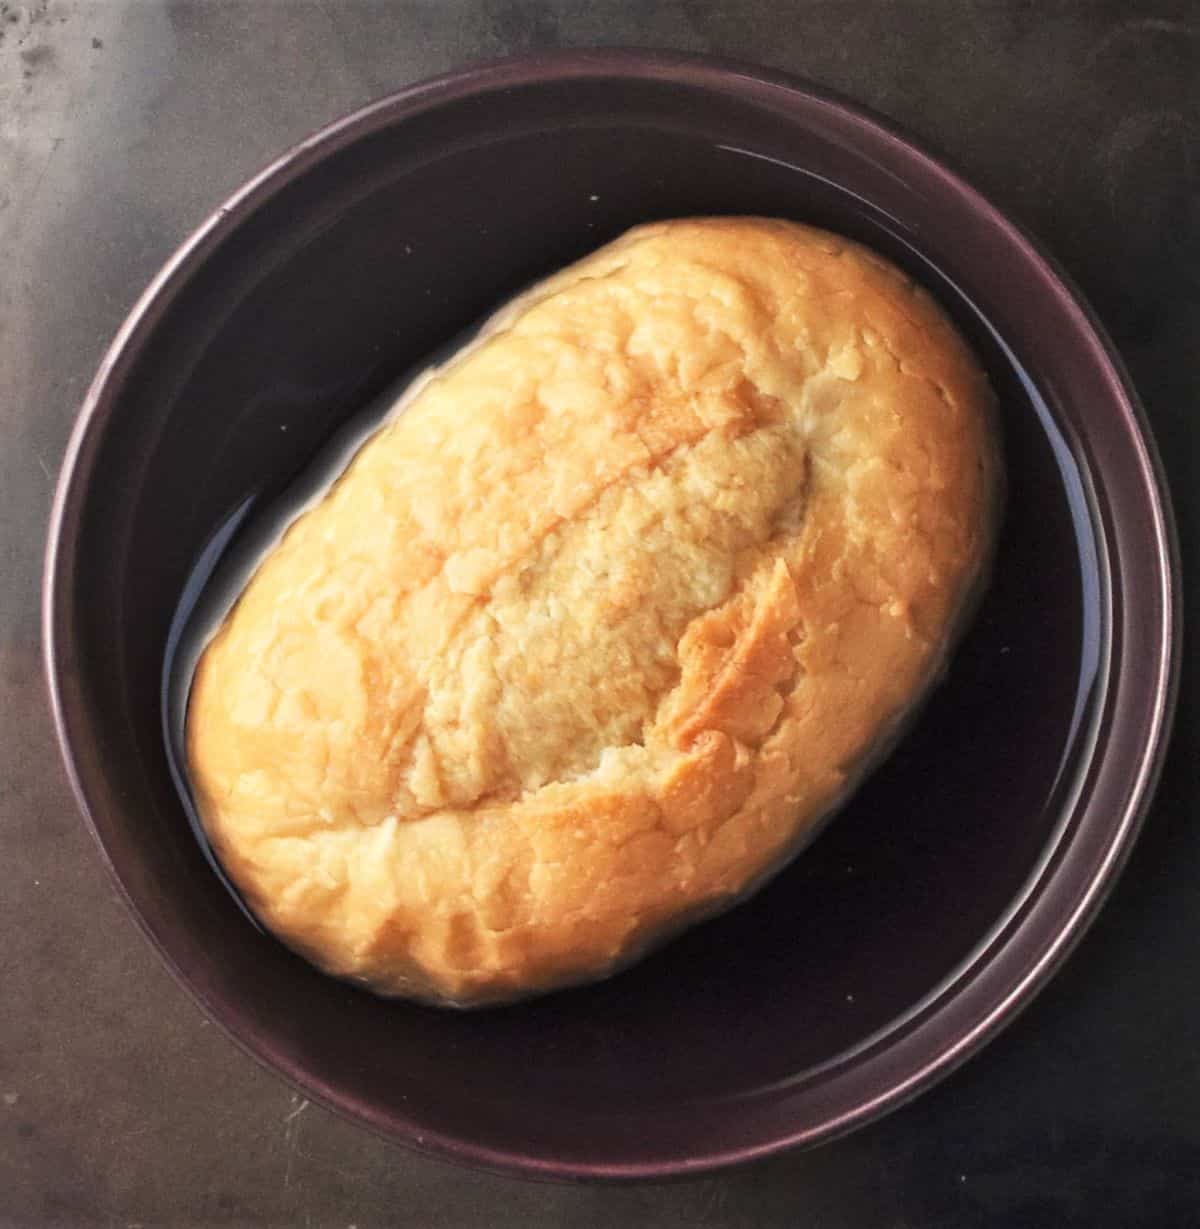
[584, 641]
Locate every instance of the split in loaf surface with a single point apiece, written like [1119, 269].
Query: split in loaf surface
[583, 643]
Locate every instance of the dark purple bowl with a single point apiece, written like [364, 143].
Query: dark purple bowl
[957, 879]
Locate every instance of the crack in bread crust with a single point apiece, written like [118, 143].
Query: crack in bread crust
[586, 638]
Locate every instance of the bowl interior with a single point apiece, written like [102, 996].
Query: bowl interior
[368, 259]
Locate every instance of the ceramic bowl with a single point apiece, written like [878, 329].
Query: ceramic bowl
[951, 886]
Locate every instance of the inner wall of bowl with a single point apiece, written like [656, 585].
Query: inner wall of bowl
[347, 278]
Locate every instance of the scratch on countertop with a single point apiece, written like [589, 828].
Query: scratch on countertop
[291, 1136]
[54, 147]
[299, 1105]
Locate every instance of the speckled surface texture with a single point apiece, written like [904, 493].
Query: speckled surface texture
[121, 125]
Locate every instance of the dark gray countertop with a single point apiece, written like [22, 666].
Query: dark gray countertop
[121, 125]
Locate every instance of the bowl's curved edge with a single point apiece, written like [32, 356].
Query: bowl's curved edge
[684, 69]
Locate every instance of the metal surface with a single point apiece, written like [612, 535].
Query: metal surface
[115, 1111]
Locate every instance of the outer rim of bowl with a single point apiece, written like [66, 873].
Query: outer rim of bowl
[721, 75]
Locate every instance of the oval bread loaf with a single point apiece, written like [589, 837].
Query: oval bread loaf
[582, 644]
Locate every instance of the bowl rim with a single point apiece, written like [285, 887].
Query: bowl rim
[723, 76]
